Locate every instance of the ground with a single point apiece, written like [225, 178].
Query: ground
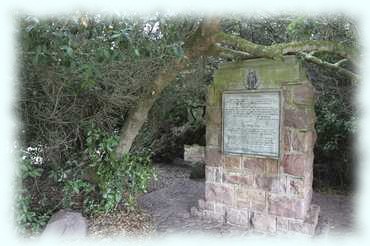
[166, 206]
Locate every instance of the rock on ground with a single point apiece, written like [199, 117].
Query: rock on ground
[66, 223]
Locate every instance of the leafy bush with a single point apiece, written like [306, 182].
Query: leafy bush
[334, 164]
[117, 178]
[81, 68]
[177, 117]
[27, 217]
[97, 182]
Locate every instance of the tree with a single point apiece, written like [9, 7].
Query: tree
[207, 39]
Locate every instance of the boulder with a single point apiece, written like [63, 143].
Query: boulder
[66, 223]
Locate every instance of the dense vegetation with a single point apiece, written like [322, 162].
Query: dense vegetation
[80, 75]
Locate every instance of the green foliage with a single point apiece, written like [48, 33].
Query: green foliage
[100, 180]
[97, 182]
[333, 127]
[333, 152]
[75, 187]
[176, 118]
[334, 163]
[27, 217]
[82, 68]
[28, 169]
[118, 178]
[272, 29]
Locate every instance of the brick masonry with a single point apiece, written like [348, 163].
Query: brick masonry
[259, 193]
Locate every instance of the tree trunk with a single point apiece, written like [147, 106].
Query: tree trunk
[138, 116]
[199, 43]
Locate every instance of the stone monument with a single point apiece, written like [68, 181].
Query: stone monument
[259, 147]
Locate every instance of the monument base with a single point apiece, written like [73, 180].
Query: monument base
[259, 222]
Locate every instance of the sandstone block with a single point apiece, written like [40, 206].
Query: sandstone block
[254, 165]
[295, 186]
[237, 178]
[286, 206]
[303, 94]
[272, 168]
[213, 135]
[213, 174]
[294, 164]
[219, 193]
[258, 200]
[208, 205]
[299, 118]
[232, 215]
[243, 204]
[263, 222]
[237, 217]
[298, 141]
[232, 161]
[307, 182]
[255, 200]
[308, 165]
[213, 156]
[220, 212]
[282, 224]
[275, 184]
[309, 224]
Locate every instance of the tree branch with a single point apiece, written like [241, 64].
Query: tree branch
[229, 53]
[306, 49]
[244, 45]
[277, 51]
[340, 62]
[318, 61]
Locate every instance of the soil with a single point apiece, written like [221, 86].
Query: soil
[120, 223]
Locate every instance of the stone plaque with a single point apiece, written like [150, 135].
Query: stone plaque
[251, 123]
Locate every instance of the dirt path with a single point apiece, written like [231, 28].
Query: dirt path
[336, 213]
[173, 194]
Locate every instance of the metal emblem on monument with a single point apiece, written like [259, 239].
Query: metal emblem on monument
[251, 81]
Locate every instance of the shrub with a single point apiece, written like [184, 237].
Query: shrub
[97, 182]
[117, 178]
[336, 114]
[27, 217]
